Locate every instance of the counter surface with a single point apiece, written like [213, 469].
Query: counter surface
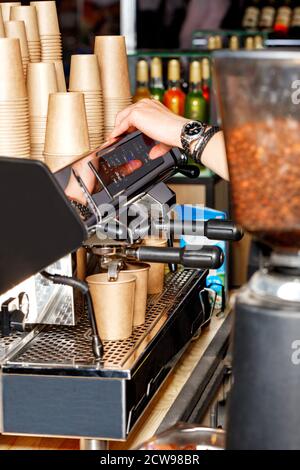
[155, 413]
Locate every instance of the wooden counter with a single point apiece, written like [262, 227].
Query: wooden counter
[155, 413]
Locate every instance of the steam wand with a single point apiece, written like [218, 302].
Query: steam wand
[97, 344]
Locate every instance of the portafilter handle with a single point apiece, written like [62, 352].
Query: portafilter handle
[208, 257]
[214, 229]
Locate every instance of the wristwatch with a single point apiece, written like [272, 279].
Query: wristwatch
[200, 133]
[191, 132]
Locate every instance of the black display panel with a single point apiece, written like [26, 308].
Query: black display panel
[124, 163]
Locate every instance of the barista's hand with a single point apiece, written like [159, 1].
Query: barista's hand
[154, 120]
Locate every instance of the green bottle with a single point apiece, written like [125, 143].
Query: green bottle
[196, 106]
[157, 89]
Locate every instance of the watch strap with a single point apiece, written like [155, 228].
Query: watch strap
[202, 143]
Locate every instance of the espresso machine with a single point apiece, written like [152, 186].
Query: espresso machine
[261, 119]
[58, 377]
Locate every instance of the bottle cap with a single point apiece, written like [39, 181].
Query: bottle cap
[142, 72]
[156, 68]
[234, 43]
[174, 70]
[205, 69]
[195, 71]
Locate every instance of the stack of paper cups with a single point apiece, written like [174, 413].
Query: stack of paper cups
[14, 111]
[60, 75]
[41, 82]
[28, 14]
[2, 30]
[50, 36]
[6, 7]
[67, 138]
[16, 29]
[85, 77]
[113, 63]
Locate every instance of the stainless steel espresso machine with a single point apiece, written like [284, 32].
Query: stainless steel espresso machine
[58, 378]
[260, 106]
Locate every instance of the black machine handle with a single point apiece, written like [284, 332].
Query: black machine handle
[214, 229]
[208, 257]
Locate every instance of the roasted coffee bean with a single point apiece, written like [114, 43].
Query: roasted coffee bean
[264, 164]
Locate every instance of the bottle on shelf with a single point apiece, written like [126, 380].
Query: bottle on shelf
[295, 24]
[283, 19]
[196, 106]
[251, 15]
[157, 89]
[211, 43]
[206, 82]
[142, 81]
[234, 43]
[258, 42]
[267, 16]
[174, 97]
[218, 42]
[249, 43]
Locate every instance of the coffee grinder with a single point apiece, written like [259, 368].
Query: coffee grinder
[260, 109]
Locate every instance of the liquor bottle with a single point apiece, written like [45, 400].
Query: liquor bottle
[268, 14]
[174, 97]
[251, 15]
[211, 43]
[234, 43]
[283, 19]
[218, 42]
[196, 106]
[157, 89]
[249, 43]
[258, 42]
[206, 82]
[142, 81]
[295, 24]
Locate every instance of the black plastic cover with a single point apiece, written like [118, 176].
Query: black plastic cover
[39, 225]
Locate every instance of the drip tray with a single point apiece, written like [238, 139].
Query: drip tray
[53, 386]
[70, 347]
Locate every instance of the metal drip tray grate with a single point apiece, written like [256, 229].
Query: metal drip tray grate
[70, 347]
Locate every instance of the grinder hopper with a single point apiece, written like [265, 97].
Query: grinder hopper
[259, 96]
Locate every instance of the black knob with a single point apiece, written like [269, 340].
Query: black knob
[190, 171]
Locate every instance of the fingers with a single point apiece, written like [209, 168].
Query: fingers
[158, 151]
[130, 167]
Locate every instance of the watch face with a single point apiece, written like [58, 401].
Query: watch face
[193, 128]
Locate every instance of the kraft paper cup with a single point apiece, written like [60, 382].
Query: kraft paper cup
[113, 304]
[2, 30]
[28, 14]
[84, 73]
[141, 272]
[47, 17]
[112, 57]
[12, 82]
[6, 9]
[60, 75]
[67, 130]
[41, 82]
[157, 270]
[16, 29]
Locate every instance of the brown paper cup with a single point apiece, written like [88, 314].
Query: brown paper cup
[56, 162]
[27, 14]
[84, 73]
[113, 304]
[41, 81]
[5, 8]
[2, 30]
[47, 17]
[16, 29]
[60, 75]
[67, 129]
[113, 63]
[157, 270]
[12, 82]
[141, 272]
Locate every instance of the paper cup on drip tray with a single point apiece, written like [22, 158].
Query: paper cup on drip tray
[157, 270]
[113, 304]
[141, 272]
